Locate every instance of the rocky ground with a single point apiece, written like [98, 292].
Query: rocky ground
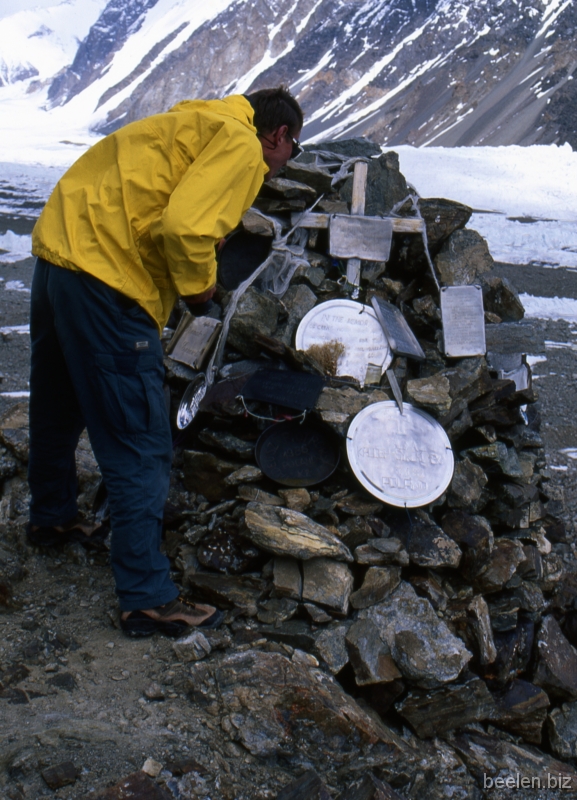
[74, 690]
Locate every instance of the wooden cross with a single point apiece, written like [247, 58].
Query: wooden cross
[357, 209]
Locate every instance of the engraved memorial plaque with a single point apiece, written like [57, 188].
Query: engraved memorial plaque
[352, 324]
[401, 338]
[463, 321]
[404, 460]
[367, 238]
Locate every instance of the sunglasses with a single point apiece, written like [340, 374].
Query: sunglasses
[297, 148]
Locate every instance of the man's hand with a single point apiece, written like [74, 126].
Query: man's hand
[200, 304]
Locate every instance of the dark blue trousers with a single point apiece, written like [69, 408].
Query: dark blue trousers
[97, 363]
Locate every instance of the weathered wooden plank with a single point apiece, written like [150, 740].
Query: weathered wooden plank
[320, 221]
[357, 208]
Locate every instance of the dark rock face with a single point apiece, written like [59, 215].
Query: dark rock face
[500, 298]
[370, 655]
[117, 22]
[422, 646]
[429, 546]
[385, 185]
[486, 756]
[463, 258]
[557, 666]
[432, 713]
[458, 69]
[277, 706]
[522, 709]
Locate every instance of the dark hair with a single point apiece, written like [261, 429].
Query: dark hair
[275, 107]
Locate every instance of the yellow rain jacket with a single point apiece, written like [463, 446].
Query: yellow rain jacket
[143, 209]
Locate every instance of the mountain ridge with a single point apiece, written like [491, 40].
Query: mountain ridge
[441, 72]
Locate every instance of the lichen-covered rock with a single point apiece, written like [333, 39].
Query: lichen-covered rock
[562, 727]
[505, 557]
[277, 707]
[327, 583]
[285, 532]
[256, 312]
[377, 584]
[369, 655]
[422, 646]
[429, 546]
[556, 668]
[330, 646]
[463, 257]
[467, 486]
[432, 393]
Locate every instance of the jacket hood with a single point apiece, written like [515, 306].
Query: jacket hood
[235, 105]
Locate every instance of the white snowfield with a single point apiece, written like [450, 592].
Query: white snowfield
[529, 192]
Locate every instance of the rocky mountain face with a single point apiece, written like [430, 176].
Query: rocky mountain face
[118, 21]
[443, 72]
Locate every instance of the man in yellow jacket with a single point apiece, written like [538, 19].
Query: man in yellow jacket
[129, 228]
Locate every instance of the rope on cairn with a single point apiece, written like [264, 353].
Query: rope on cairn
[414, 200]
[282, 255]
[327, 159]
[282, 418]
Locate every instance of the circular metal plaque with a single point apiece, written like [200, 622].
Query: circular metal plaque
[191, 400]
[297, 454]
[355, 326]
[404, 459]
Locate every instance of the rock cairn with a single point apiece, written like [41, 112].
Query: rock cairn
[398, 654]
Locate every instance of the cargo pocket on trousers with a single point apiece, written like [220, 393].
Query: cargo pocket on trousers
[131, 391]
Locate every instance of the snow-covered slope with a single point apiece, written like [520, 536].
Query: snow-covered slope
[37, 43]
[442, 72]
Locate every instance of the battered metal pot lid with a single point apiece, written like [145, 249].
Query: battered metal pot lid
[404, 459]
[355, 326]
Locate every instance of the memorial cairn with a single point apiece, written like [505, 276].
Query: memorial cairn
[360, 479]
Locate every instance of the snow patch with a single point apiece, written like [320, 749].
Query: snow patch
[554, 308]
[16, 286]
[17, 248]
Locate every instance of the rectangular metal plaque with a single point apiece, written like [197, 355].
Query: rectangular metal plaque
[401, 338]
[367, 238]
[463, 321]
[193, 339]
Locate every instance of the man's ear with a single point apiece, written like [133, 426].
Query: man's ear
[280, 134]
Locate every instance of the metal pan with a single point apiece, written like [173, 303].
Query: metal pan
[297, 454]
